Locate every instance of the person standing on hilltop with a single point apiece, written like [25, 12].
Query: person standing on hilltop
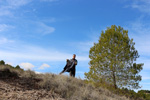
[70, 66]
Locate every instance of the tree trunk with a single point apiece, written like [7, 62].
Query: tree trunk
[114, 80]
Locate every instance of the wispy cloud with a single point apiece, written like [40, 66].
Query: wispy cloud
[4, 40]
[4, 27]
[139, 31]
[9, 5]
[17, 3]
[11, 9]
[146, 78]
[21, 53]
[32, 28]
[141, 5]
[44, 29]
[85, 46]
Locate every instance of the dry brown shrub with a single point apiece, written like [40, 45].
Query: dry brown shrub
[75, 89]
[67, 87]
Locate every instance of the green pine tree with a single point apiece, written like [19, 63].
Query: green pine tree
[113, 60]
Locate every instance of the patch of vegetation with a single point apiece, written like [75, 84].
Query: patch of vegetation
[145, 94]
[71, 88]
[2, 62]
[66, 87]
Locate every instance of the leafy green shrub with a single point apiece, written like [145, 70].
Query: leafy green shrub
[2, 62]
[145, 94]
[17, 67]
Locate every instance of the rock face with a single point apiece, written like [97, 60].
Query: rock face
[11, 89]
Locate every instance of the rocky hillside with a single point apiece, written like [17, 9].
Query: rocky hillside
[16, 84]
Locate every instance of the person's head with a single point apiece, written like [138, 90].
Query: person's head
[74, 56]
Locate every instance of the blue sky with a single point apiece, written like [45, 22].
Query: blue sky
[42, 34]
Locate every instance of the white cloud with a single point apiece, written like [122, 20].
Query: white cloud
[4, 40]
[139, 31]
[145, 78]
[44, 29]
[34, 53]
[17, 3]
[38, 72]
[27, 66]
[4, 27]
[43, 66]
[7, 6]
[141, 5]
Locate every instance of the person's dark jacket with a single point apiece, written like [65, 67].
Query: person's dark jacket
[70, 65]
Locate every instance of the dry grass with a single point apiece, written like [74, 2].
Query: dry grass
[66, 87]
[75, 89]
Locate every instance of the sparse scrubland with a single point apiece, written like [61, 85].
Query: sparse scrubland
[27, 85]
[17, 84]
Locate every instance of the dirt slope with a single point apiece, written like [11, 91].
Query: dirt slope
[27, 85]
[15, 89]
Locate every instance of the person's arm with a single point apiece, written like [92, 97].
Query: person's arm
[76, 62]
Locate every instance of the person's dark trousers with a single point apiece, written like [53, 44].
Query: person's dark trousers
[72, 72]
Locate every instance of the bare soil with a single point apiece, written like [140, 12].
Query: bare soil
[24, 89]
